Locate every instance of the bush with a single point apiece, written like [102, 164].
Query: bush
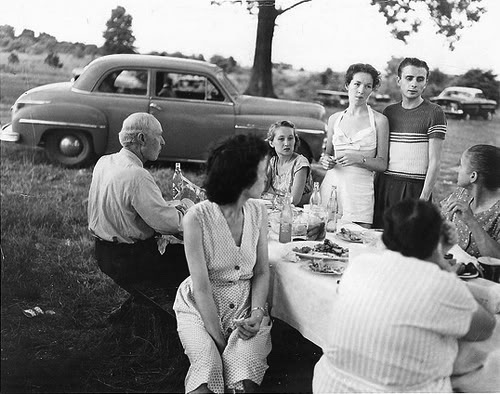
[53, 60]
[13, 58]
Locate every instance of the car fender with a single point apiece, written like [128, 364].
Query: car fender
[34, 122]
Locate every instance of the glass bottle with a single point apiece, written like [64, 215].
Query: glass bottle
[177, 183]
[315, 199]
[332, 208]
[286, 219]
[317, 220]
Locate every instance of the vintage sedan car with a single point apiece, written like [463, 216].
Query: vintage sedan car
[332, 98]
[194, 101]
[464, 102]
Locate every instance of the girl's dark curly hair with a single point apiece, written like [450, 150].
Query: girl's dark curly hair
[413, 228]
[232, 167]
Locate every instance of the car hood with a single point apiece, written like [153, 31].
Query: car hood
[251, 105]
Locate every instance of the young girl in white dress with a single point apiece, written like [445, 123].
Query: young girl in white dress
[357, 145]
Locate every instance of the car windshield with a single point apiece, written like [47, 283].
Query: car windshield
[227, 83]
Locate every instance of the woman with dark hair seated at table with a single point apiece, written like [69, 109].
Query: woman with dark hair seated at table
[475, 206]
[400, 312]
[221, 311]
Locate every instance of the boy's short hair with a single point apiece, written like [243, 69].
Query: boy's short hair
[413, 61]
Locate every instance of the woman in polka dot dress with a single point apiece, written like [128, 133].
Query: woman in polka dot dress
[475, 206]
[221, 311]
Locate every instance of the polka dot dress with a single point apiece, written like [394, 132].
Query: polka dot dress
[489, 221]
[230, 269]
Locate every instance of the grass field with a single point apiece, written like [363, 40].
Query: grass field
[46, 261]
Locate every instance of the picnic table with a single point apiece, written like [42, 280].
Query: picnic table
[303, 299]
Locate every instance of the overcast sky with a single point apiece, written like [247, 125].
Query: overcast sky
[315, 35]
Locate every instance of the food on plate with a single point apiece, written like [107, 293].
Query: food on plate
[326, 246]
[324, 267]
[468, 269]
[353, 236]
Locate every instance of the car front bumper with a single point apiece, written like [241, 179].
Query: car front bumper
[7, 134]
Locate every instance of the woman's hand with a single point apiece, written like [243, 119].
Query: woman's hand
[327, 161]
[349, 159]
[249, 327]
[461, 208]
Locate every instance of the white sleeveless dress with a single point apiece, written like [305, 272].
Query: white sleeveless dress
[354, 184]
[230, 271]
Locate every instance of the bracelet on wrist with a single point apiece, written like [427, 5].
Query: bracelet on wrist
[259, 308]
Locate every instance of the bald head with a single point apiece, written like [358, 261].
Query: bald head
[133, 125]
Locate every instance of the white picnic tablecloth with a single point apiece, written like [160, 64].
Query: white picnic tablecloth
[304, 299]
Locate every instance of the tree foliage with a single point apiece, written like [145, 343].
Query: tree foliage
[450, 17]
[228, 64]
[484, 80]
[27, 42]
[118, 36]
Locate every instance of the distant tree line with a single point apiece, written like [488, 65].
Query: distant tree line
[27, 42]
[119, 38]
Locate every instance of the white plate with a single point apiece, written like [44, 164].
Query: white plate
[318, 255]
[310, 267]
[469, 276]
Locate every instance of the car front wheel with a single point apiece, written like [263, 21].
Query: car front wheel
[69, 148]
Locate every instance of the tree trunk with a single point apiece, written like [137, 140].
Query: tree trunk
[261, 80]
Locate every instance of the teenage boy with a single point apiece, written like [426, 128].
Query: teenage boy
[417, 129]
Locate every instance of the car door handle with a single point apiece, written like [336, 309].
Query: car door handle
[155, 106]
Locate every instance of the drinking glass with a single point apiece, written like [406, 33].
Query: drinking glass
[299, 228]
[317, 223]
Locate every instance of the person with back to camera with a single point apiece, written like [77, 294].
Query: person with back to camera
[221, 310]
[288, 171]
[475, 206]
[417, 129]
[356, 146]
[126, 209]
[402, 310]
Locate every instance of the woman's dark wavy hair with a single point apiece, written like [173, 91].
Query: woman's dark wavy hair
[413, 228]
[362, 68]
[485, 160]
[232, 167]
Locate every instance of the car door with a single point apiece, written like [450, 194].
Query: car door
[119, 93]
[194, 113]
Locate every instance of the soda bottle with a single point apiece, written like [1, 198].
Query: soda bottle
[286, 220]
[177, 183]
[315, 199]
[332, 207]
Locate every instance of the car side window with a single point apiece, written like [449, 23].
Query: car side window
[186, 86]
[130, 82]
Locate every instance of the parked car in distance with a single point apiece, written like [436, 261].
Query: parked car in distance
[465, 102]
[332, 98]
[195, 102]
